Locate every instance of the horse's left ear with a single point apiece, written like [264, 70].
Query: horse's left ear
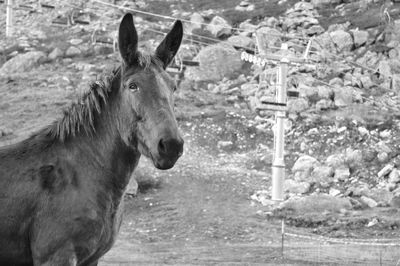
[170, 45]
[128, 39]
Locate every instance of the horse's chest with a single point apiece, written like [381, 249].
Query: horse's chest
[111, 226]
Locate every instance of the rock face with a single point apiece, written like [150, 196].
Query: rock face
[216, 62]
[23, 62]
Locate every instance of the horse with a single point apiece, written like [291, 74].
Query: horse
[62, 188]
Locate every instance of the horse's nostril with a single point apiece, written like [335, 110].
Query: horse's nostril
[161, 147]
[170, 147]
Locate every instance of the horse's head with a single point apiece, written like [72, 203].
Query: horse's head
[147, 96]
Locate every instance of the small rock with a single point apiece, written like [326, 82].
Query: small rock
[385, 170]
[72, 51]
[133, 186]
[385, 134]
[353, 158]
[394, 176]
[383, 157]
[225, 145]
[343, 96]
[342, 173]
[369, 202]
[323, 105]
[373, 222]
[335, 160]
[76, 41]
[383, 147]
[395, 202]
[363, 131]
[366, 82]
[334, 192]
[196, 22]
[56, 53]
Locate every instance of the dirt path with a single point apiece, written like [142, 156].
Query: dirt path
[200, 215]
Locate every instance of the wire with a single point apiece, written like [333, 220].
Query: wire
[189, 21]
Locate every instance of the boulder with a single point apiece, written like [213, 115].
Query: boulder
[23, 62]
[297, 105]
[342, 40]
[360, 37]
[343, 96]
[219, 27]
[305, 163]
[216, 62]
[241, 41]
[269, 38]
[196, 22]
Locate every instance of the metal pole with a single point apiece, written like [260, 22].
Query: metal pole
[9, 18]
[39, 5]
[278, 165]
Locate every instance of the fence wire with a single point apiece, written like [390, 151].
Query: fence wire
[319, 250]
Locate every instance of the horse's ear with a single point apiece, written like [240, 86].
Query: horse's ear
[127, 39]
[170, 45]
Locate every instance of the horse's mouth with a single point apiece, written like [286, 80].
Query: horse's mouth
[165, 164]
[162, 163]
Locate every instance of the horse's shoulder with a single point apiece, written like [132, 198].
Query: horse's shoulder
[57, 176]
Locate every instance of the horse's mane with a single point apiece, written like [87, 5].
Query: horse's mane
[80, 116]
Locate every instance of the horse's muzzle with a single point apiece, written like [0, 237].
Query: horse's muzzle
[169, 151]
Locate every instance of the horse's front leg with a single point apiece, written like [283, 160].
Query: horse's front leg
[62, 256]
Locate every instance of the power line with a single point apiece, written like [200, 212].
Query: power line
[189, 21]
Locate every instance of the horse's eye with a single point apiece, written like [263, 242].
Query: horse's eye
[174, 89]
[133, 87]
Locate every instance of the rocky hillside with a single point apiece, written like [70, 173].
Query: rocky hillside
[342, 131]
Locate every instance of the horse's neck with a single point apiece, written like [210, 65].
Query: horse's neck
[107, 151]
